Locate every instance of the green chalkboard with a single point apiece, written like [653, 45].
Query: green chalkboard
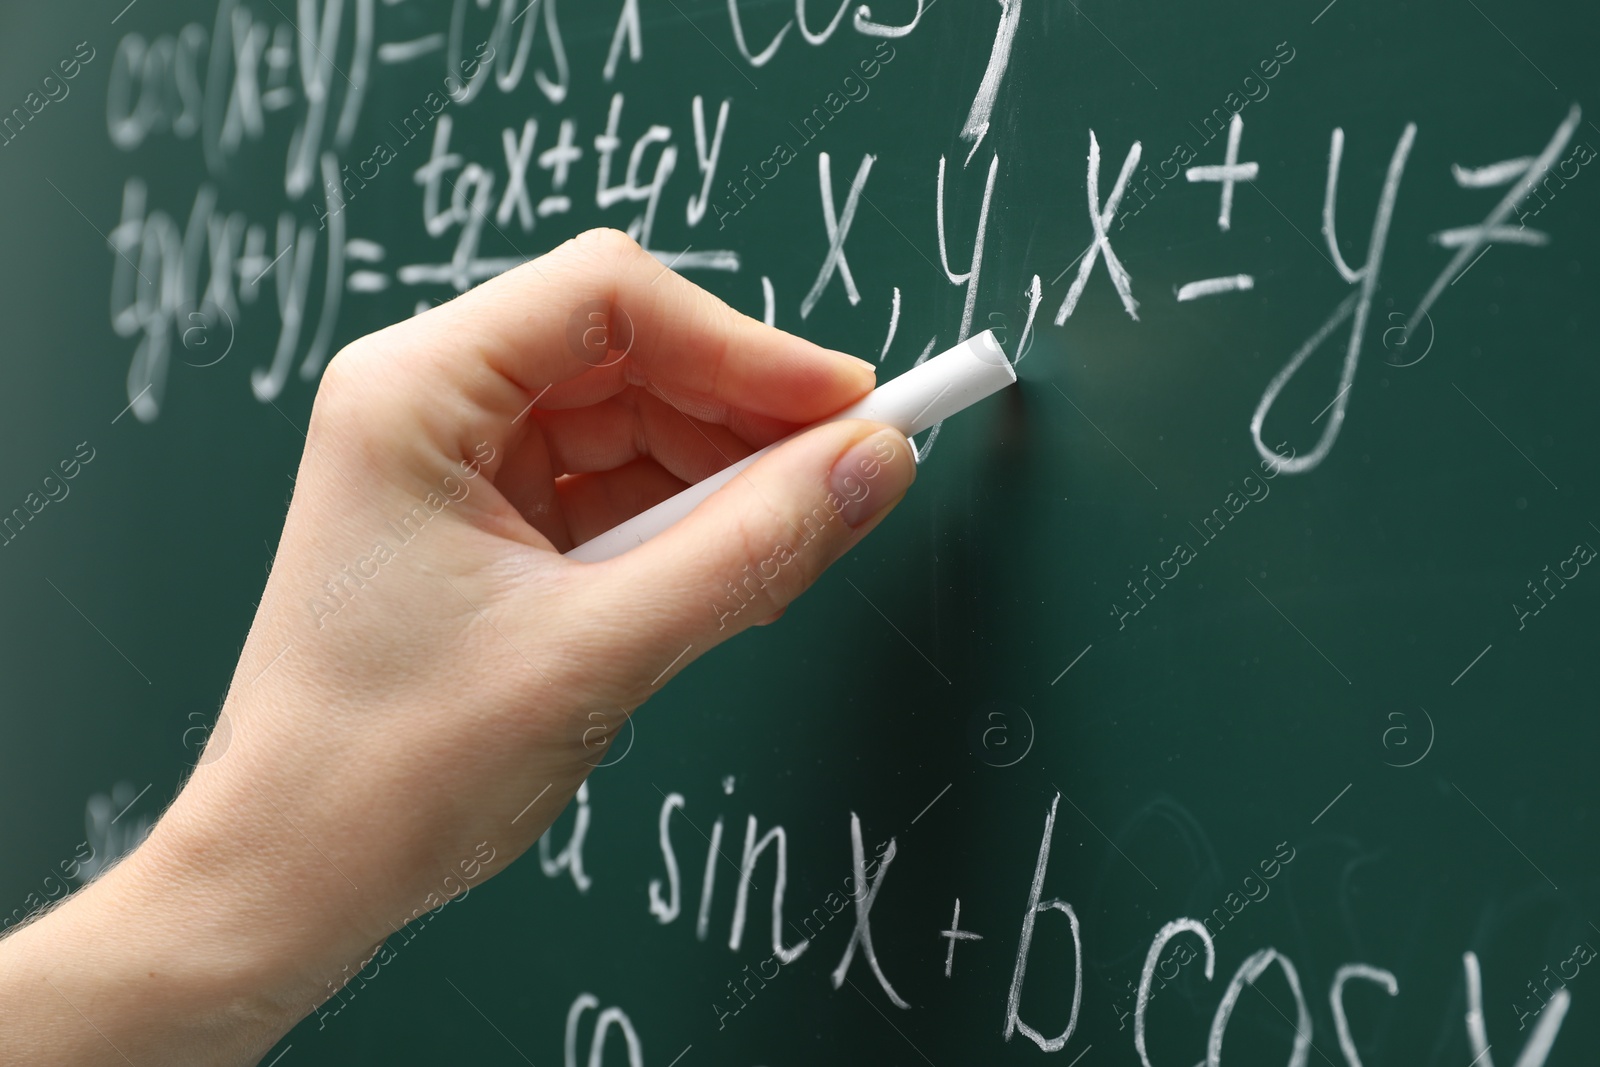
[1262, 603]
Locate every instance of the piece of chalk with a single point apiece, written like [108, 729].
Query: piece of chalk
[922, 396]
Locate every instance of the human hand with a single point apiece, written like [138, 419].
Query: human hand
[427, 681]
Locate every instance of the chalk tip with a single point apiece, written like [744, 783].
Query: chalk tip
[991, 351]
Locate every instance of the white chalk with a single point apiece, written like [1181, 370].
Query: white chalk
[922, 396]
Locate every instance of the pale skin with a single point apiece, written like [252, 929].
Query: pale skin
[376, 748]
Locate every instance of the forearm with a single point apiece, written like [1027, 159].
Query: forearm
[169, 958]
[255, 898]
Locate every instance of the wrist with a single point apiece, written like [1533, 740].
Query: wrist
[271, 930]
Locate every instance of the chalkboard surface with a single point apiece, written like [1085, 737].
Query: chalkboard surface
[1261, 607]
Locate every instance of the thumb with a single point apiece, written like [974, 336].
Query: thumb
[760, 541]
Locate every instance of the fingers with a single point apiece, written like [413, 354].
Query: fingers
[609, 437]
[572, 509]
[599, 312]
[526, 478]
[617, 431]
[757, 543]
[594, 503]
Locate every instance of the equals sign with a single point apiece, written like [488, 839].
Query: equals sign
[357, 250]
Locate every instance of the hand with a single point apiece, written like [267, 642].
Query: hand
[427, 681]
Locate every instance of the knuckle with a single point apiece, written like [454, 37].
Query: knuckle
[343, 369]
[350, 393]
[822, 533]
[780, 563]
[607, 244]
[746, 593]
[341, 381]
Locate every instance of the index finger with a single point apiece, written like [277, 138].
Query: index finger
[674, 335]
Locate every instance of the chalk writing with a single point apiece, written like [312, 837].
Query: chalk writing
[392, 195]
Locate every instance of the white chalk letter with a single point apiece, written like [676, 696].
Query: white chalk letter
[667, 910]
[1147, 976]
[1336, 1000]
[1035, 906]
[1099, 219]
[866, 892]
[1537, 1050]
[741, 901]
[838, 227]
